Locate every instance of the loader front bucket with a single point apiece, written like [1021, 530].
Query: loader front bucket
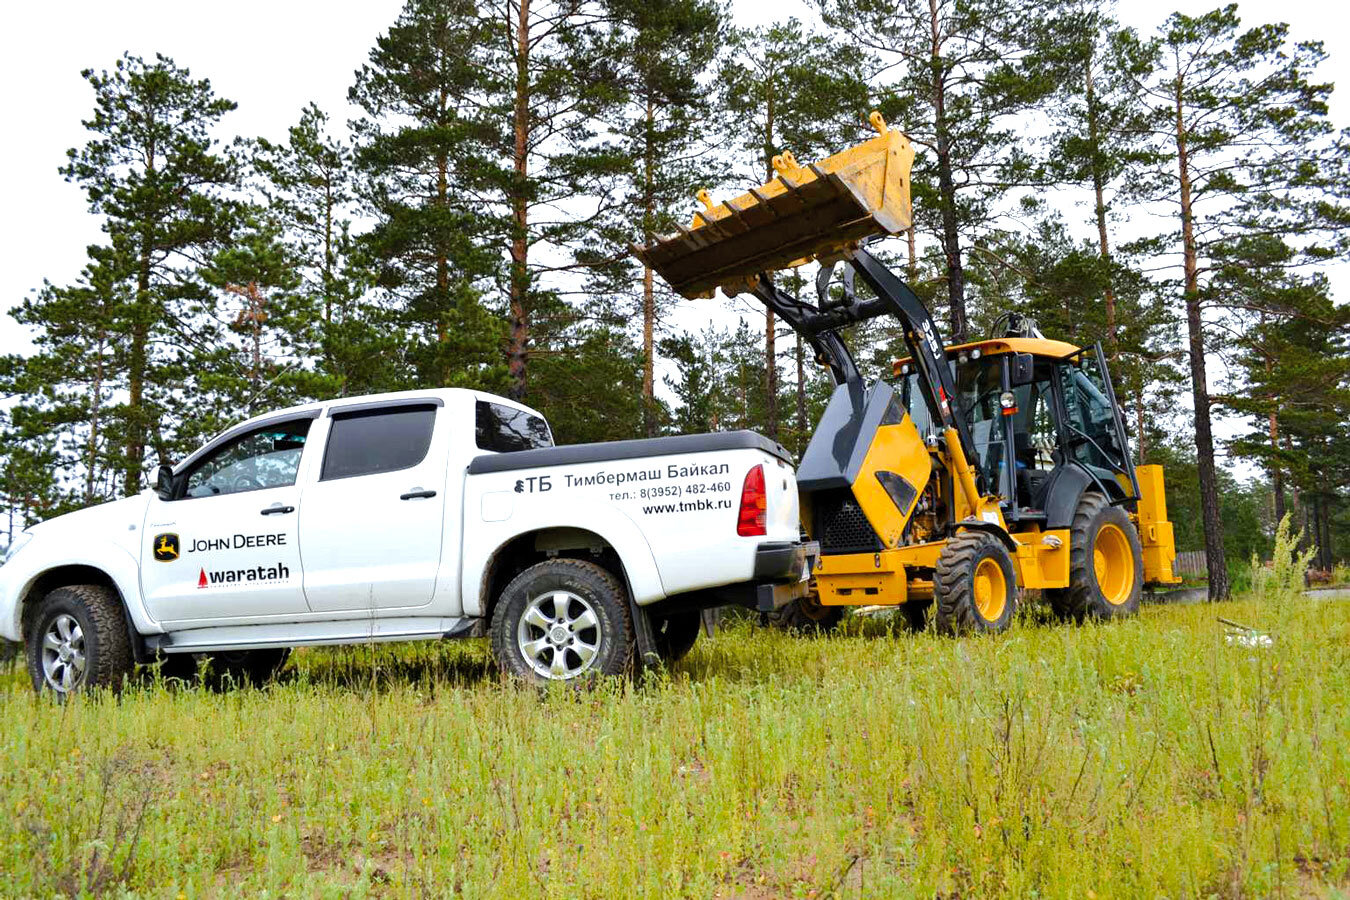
[817, 211]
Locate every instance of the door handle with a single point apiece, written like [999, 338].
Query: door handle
[417, 495]
[278, 510]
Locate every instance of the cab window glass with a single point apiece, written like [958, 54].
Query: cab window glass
[505, 429]
[1088, 414]
[979, 384]
[380, 440]
[268, 457]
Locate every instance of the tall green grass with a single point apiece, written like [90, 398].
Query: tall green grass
[1152, 757]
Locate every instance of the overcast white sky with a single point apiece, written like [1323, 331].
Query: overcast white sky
[272, 58]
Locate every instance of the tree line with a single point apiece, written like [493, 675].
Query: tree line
[1174, 193]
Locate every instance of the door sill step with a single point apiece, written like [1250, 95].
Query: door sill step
[311, 634]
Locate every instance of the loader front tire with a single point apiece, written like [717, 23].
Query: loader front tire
[1106, 564]
[974, 585]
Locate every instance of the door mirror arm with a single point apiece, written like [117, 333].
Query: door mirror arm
[166, 485]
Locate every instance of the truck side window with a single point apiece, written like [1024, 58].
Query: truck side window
[378, 440]
[267, 457]
[505, 429]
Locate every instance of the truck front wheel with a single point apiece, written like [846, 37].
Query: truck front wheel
[79, 641]
[561, 620]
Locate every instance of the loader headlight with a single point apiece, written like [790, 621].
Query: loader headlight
[1007, 400]
[975, 354]
[20, 541]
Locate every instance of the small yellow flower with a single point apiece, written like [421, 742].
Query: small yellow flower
[277, 817]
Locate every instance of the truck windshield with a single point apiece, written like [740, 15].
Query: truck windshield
[506, 429]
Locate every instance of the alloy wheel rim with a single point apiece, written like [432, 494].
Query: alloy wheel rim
[559, 635]
[990, 589]
[64, 657]
[1113, 564]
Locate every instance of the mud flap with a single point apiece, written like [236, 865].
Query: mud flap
[647, 657]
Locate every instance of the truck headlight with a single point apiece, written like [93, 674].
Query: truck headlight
[20, 541]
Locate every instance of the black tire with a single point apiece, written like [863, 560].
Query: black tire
[676, 634]
[806, 615]
[967, 593]
[242, 668]
[576, 652]
[99, 657]
[1085, 598]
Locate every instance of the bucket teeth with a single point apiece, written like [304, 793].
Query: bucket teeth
[818, 211]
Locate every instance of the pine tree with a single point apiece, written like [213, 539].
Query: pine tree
[785, 89]
[548, 80]
[420, 153]
[1250, 152]
[664, 46]
[951, 77]
[152, 171]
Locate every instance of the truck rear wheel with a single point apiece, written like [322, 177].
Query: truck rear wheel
[676, 634]
[79, 641]
[1106, 564]
[561, 620]
[974, 585]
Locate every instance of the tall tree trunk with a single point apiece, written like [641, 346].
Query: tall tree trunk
[648, 286]
[1276, 472]
[520, 276]
[328, 258]
[136, 371]
[1099, 192]
[801, 396]
[951, 241]
[95, 410]
[913, 268]
[770, 326]
[1204, 436]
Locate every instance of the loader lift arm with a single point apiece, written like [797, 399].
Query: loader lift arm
[820, 327]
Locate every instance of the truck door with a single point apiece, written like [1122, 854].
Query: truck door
[226, 545]
[370, 529]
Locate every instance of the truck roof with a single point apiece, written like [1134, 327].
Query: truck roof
[317, 407]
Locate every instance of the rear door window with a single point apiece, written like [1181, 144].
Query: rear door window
[505, 429]
[369, 442]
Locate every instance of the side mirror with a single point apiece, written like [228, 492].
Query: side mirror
[1022, 369]
[164, 482]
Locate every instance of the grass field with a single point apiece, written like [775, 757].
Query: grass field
[1139, 759]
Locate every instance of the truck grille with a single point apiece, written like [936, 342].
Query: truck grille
[841, 525]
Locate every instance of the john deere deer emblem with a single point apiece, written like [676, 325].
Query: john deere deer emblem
[166, 547]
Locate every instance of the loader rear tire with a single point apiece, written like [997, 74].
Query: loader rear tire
[974, 585]
[1106, 564]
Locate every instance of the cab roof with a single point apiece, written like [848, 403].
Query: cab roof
[994, 346]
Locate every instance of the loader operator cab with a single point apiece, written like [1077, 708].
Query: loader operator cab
[1032, 406]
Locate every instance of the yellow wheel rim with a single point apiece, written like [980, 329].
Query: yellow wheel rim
[1113, 561]
[991, 590]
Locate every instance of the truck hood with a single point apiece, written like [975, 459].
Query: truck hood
[118, 522]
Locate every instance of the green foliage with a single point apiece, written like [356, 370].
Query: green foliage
[1045, 762]
[1282, 579]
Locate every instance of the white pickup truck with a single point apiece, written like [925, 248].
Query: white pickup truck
[416, 515]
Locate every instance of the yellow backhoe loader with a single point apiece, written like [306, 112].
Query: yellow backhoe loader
[985, 468]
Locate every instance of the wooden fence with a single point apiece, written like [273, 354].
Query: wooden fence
[1190, 562]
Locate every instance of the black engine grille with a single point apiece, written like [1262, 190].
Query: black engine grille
[841, 525]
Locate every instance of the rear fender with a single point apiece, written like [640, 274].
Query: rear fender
[611, 525]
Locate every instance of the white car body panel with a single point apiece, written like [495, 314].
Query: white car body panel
[353, 551]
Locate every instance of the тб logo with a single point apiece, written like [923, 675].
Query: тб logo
[166, 547]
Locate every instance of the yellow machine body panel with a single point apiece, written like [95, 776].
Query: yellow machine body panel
[896, 450]
[816, 211]
[881, 579]
[1035, 346]
[1155, 531]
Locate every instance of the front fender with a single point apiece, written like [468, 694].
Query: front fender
[483, 539]
[43, 556]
